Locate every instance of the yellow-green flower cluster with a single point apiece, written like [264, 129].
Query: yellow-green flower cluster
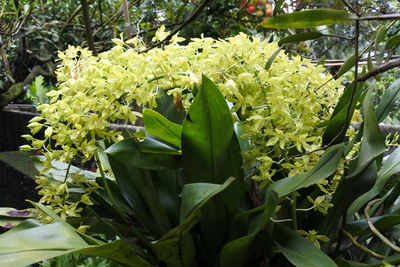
[279, 109]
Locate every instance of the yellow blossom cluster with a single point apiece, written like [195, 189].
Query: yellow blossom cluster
[279, 108]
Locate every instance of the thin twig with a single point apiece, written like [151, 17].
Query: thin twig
[350, 8]
[189, 20]
[381, 68]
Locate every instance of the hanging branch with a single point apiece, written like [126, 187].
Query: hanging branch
[189, 20]
[382, 17]
[88, 26]
[381, 68]
[113, 17]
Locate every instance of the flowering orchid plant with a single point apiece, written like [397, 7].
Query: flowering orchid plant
[239, 163]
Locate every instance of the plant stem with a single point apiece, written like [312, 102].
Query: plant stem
[354, 241]
[373, 228]
[294, 211]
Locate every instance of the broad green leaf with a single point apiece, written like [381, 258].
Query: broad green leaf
[148, 154]
[176, 247]
[307, 19]
[373, 142]
[192, 195]
[392, 42]
[298, 250]
[347, 65]
[235, 253]
[159, 126]
[210, 153]
[118, 251]
[206, 136]
[304, 36]
[170, 110]
[325, 167]
[30, 242]
[388, 100]
[56, 218]
[389, 167]
[31, 245]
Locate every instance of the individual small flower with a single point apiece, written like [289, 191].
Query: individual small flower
[320, 203]
[314, 237]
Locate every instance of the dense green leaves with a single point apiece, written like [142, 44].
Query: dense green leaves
[390, 166]
[363, 173]
[307, 18]
[236, 252]
[176, 248]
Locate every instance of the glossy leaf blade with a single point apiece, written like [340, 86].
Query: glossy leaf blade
[206, 136]
[161, 127]
[298, 250]
[149, 154]
[373, 142]
[325, 167]
[31, 242]
[307, 19]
